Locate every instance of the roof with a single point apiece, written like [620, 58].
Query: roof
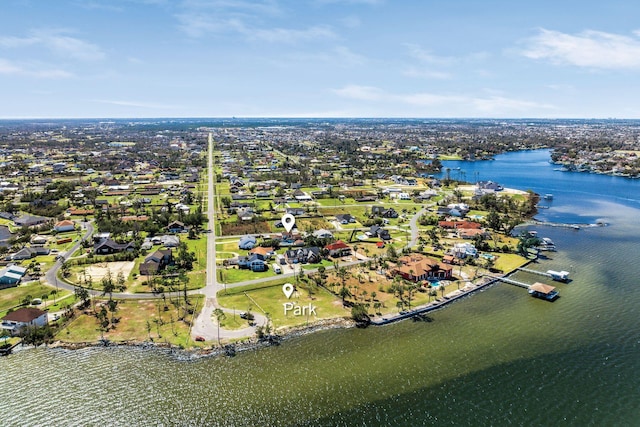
[24, 315]
[337, 245]
[64, 223]
[543, 288]
[261, 250]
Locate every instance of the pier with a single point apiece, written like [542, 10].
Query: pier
[558, 276]
[511, 282]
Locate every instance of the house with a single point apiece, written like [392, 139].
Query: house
[345, 218]
[245, 214]
[384, 212]
[323, 234]
[487, 187]
[30, 220]
[28, 253]
[377, 231]
[156, 261]
[295, 211]
[176, 227]
[303, 255]
[301, 196]
[108, 246]
[247, 242]
[417, 267]
[338, 249]
[38, 240]
[253, 263]
[168, 241]
[23, 317]
[65, 225]
[9, 278]
[263, 253]
[464, 250]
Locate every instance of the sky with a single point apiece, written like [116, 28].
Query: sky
[319, 58]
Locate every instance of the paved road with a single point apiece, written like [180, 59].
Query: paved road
[204, 324]
[413, 224]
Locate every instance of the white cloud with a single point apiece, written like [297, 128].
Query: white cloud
[426, 74]
[487, 105]
[366, 93]
[38, 71]
[424, 56]
[591, 49]
[58, 42]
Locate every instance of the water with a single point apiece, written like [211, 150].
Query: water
[498, 357]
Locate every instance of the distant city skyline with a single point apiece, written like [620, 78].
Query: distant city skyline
[319, 58]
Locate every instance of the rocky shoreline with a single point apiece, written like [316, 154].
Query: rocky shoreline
[230, 349]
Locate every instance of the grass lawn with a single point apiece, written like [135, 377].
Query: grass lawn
[271, 300]
[509, 262]
[135, 319]
[235, 275]
[12, 297]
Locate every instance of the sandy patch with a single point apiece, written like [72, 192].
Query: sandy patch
[98, 271]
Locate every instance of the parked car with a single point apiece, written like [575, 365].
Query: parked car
[199, 338]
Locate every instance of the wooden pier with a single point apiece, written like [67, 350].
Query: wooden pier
[511, 282]
[558, 276]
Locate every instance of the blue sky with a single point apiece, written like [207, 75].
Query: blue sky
[319, 58]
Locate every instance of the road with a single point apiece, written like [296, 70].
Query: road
[204, 326]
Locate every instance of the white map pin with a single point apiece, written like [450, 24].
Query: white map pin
[288, 221]
[287, 288]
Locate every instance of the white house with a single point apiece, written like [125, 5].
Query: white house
[65, 225]
[23, 317]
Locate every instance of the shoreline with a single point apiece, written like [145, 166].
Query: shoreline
[229, 349]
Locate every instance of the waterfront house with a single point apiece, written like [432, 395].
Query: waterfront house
[23, 317]
[417, 267]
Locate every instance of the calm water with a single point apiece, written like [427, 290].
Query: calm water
[496, 358]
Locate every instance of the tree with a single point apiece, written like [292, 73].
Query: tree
[360, 315]
[344, 293]
[82, 294]
[220, 316]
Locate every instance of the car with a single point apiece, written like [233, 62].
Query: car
[279, 224]
[199, 338]
[243, 315]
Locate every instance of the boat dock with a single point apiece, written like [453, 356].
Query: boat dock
[511, 281]
[558, 276]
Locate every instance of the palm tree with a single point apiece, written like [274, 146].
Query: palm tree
[344, 293]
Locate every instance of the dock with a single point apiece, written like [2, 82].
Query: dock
[558, 276]
[511, 281]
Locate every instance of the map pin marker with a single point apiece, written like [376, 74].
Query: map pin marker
[287, 288]
[288, 221]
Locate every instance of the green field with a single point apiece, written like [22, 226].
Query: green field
[271, 299]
